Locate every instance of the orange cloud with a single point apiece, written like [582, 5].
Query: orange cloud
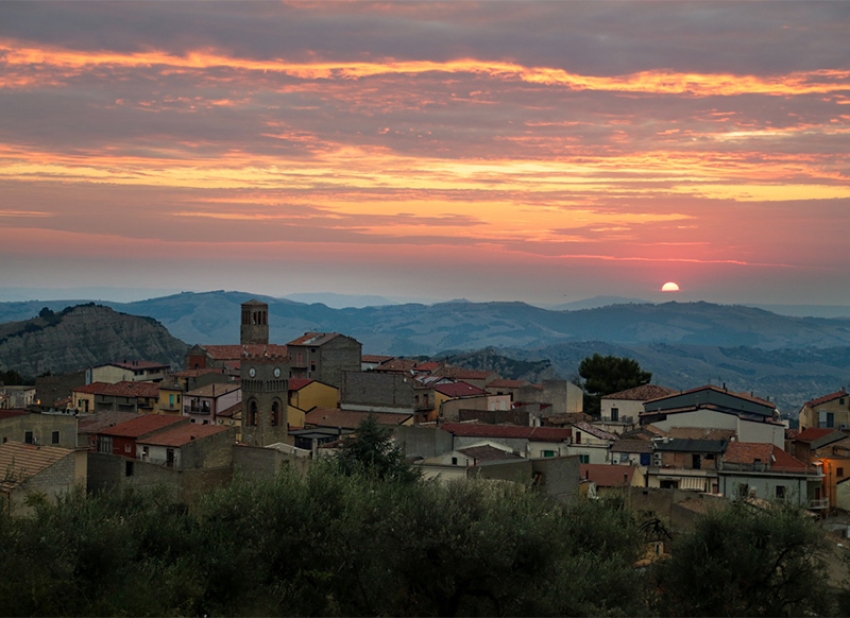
[13, 55]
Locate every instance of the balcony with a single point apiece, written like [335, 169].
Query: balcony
[818, 504]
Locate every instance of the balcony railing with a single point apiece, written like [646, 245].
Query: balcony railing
[819, 503]
[622, 419]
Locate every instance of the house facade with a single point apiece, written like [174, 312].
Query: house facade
[324, 357]
[827, 412]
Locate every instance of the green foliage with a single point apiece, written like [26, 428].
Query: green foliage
[321, 544]
[745, 561]
[373, 452]
[13, 378]
[604, 375]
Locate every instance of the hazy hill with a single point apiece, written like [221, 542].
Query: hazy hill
[791, 359]
[84, 336]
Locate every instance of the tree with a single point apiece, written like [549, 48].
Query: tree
[604, 375]
[373, 452]
[747, 561]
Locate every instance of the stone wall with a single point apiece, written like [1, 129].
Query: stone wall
[42, 427]
[379, 390]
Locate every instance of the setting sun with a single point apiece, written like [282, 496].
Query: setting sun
[670, 286]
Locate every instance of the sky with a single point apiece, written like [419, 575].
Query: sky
[544, 152]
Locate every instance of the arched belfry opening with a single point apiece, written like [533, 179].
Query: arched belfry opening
[254, 328]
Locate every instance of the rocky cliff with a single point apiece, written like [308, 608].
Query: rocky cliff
[84, 336]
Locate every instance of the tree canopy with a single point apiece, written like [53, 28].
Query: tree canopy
[373, 452]
[747, 561]
[604, 375]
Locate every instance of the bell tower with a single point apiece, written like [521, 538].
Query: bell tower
[255, 323]
[265, 399]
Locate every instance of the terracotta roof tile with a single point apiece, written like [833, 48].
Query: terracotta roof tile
[120, 389]
[814, 433]
[826, 398]
[374, 358]
[20, 461]
[748, 453]
[296, 384]
[182, 435]
[313, 339]
[459, 389]
[142, 425]
[234, 411]
[93, 423]
[643, 393]
[595, 431]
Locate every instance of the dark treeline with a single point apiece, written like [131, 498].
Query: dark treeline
[331, 544]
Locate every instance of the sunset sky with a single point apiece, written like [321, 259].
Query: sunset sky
[544, 152]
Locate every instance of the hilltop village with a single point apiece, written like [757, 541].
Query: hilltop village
[256, 407]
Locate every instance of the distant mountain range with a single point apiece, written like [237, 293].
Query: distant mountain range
[791, 359]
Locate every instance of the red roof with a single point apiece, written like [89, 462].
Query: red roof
[397, 365]
[643, 393]
[120, 389]
[826, 398]
[537, 434]
[296, 384]
[143, 425]
[459, 389]
[182, 435]
[94, 423]
[752, 453]
[12, 413]
[814, 433]
[607, 475]
[427, 366]
[313, 339]
[231, 412]
[374, 358]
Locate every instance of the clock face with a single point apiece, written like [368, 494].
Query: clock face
[277, 372]
[252, 372]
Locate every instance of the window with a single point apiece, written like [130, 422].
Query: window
[126, 448]
[169, 458]
[29, 438]
[548, 453]
[830, 419]
[171, 399]
[839, 471]
[743, 490]
[275, 414]
[128, 468]
[144, 451]
[780, 492]
[696, 462]
[584, 459]
[252, 414]
[615, 414]
[54, 437]
[578, 437]
[454, 461]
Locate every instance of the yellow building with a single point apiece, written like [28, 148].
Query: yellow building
[306, 394]
[827, 412]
